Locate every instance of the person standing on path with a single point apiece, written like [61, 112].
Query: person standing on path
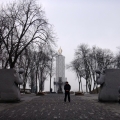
[67, 88]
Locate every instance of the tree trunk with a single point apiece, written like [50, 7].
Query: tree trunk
[50, 83]
[86, 85]
[36, 81]
[24, 86]
[40, 83]
[79, 86]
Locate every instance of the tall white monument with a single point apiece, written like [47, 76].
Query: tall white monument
[60, 72]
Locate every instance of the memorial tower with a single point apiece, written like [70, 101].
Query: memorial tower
[60, 72]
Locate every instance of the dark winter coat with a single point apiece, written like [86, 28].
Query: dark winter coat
[67, 87]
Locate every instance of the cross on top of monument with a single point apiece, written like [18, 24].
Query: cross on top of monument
[60, 51]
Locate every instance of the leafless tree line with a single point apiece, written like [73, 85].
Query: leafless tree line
[27, 40]
[87, 60]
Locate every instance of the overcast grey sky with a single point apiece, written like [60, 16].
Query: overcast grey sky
[94, 22]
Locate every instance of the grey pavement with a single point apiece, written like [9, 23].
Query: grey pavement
[52, 106]
[24, 98]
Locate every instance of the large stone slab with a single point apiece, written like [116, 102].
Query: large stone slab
[110, 82]
[9, 80]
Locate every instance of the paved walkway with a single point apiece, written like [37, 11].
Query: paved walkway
[51, 106]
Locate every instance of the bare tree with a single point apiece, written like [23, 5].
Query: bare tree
[82, 52]
[117, 59]
[93, 66]
[21, 24]
[104, 58]
[76, 66]
[25, 61]
[51, 55]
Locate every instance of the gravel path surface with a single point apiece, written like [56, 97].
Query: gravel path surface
[52, 106]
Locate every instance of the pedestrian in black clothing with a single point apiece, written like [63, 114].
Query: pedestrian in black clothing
[67, 88]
